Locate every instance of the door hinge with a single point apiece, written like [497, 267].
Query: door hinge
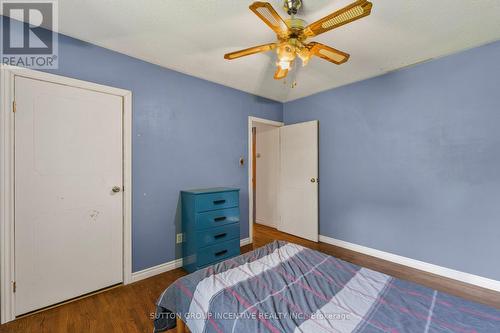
[14, 106]
[14, 287]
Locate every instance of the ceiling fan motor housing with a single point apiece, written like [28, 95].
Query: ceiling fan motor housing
[292, 6]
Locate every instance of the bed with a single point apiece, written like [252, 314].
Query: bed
[284, 287]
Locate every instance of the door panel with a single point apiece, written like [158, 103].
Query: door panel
[68, 221]
[299, 180]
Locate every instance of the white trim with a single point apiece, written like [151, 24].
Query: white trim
[245, 241]
[155, 270]
[260, 221]
[127, 187]
[251, 121]
[420, 265]
[7, 74]
[168, 266]
[67, 81]
[273, 224]
[6, 197]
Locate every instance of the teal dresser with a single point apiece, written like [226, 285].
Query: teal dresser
[211, 226]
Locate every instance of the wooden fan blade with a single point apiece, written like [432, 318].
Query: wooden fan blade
[328, 53]
[266, 13]
[280, 73]
[353, 12]
[249, 51]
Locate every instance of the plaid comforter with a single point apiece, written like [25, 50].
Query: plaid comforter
[284, 287]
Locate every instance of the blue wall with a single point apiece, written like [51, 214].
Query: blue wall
[410, 161]
[187, 133]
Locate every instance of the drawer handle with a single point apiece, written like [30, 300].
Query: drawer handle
[220, 253]
[219, 219]
[219, 202]
[220, 235]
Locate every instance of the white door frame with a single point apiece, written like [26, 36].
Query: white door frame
[7, 75]
[251, 121]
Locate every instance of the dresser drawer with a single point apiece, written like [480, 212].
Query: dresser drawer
[217, 235]
[218, 252]
[217, 218]
[212, 201]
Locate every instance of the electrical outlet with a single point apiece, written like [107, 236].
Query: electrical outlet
[179, 238]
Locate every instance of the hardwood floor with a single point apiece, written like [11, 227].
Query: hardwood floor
[122, 309]
[128, 308]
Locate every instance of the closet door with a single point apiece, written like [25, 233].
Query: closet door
[299, 180]
[68, 199]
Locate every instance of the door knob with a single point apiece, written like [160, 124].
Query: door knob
[116, 189]
[313, 180]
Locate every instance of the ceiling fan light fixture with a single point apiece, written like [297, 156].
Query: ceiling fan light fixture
[286, 54]
[304, 56]
[283, 64]
[292, 34]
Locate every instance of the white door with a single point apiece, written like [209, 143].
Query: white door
[299, 180]
[68, 220]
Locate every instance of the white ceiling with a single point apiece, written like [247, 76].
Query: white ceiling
[191, 36]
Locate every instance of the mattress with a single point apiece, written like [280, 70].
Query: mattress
[284, 287]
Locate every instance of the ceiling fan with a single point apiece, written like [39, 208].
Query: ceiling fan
[292, 34]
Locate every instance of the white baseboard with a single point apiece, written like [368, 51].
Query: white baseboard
[245, 241]
[168, 266]
[155, 270]
[260, 221]
[423, 266]
[273, 224]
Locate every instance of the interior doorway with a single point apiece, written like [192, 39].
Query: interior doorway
[283, 177]
[263, 172]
